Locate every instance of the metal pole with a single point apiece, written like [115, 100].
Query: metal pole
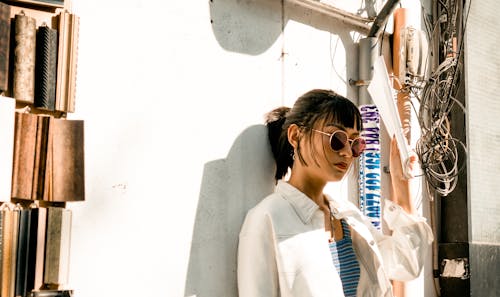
[382, 18]
[368, 51]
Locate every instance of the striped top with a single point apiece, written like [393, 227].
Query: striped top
[345, 262]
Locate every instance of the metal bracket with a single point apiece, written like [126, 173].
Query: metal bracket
[359, 83]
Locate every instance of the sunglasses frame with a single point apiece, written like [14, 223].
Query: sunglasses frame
[350, 141]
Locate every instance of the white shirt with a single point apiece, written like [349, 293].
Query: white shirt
[283, 250]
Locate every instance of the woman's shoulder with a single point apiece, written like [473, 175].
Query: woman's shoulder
[271, 203]
[264, 213]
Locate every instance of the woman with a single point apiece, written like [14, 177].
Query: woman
[300, 242]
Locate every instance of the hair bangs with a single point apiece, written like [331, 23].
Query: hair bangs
[344, 113]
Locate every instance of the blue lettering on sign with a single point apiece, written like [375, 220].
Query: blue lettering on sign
[370, 135]
[372, 155]
[372, 214]
[372, 166]
[372, 181]
[372, 141]
[372, 202]
[368, 107]
[374, 130]
[373, 161]
[370, 120]
[372, 196]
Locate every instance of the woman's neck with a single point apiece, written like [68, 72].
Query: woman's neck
[312, 189]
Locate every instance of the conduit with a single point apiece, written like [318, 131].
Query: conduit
[355, 21]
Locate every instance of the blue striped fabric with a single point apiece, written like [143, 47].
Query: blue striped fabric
[346, 262]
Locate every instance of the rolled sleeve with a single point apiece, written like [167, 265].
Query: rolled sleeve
[404, 251]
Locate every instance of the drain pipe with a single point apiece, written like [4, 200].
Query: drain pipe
[368, 51]
[357, 22]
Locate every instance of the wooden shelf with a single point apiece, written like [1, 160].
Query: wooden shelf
[48, 5]
[28, 107]
[40, 203]
[43, 226]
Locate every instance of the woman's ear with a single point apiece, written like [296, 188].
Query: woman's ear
[294, 134]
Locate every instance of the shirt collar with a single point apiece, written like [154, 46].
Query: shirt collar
[303, 205]
[341, 208]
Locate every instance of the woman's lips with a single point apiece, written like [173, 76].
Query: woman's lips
[341, 165]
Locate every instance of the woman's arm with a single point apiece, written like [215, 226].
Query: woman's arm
[401, 188]
[405, 250]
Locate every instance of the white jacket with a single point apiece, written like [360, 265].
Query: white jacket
[283, 250]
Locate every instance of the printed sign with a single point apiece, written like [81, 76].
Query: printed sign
[369, 166]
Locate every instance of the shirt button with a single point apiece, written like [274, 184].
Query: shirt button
[372, 242]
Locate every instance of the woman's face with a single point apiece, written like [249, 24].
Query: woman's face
[323, 162]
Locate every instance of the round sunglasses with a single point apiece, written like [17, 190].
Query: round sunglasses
[339, 139]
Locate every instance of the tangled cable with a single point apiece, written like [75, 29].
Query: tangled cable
[441, 155]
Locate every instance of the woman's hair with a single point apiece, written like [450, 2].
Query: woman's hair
[309, 109]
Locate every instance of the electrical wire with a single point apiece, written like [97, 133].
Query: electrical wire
[442, 156]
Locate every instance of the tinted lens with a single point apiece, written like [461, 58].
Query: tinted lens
[358, 146]
[338, 140]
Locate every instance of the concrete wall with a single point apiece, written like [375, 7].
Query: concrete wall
[173, 96]
[482, 83]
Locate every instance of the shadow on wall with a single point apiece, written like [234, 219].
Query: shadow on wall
[253, 26]
[249, 27]
[230, 187]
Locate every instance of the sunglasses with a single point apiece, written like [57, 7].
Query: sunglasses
[339, 139]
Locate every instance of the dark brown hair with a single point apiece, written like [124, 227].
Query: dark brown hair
[312, 107]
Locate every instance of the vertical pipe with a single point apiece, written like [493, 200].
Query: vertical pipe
[368, 50]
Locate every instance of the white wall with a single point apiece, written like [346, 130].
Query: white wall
[482, 67]
[173, 95]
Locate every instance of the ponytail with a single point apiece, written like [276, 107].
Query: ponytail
[278, 138]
